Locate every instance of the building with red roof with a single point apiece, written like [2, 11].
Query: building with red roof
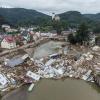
[8, 42]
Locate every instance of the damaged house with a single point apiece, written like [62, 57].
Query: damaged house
[15, 61]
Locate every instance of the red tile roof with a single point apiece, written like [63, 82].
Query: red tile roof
[9, 39]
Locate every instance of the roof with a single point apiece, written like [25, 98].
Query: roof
[3, 79]
[24, 33]
[9, 39]
[14, 62]
[18, 37]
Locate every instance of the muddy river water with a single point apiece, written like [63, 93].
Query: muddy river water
[47, 49]
[68, 89]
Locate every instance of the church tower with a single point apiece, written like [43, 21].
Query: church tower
[55, 17]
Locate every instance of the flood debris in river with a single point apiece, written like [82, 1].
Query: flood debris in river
[54, 66]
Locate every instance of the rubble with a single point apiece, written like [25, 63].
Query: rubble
[3, 81]
[83, 65]
[33, 75]
[14, 62]
[97, 79]
[31, 87]
[86, 76]
[96, 48]
[51, 61]
[54, 56]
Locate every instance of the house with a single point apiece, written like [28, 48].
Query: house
[66, 33]
[35, 38]
[38, 34]
[5, 26]
[8, 42]
[19, 40]
[10, 30]
[48, 34]
[25, 35]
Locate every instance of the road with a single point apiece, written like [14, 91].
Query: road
[40, 41]
[23, 47]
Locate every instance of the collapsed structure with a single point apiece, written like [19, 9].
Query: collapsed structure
[24, 70]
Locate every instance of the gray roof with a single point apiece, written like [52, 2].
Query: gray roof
[24, 33]
[14, 62]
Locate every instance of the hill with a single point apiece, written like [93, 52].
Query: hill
[94, 17]
[75, 18]
[72, 17]
[21, 16]
[2, 20]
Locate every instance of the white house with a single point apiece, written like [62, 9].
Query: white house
[48, 34]
[35, 38]
[38, 34]
[8, 42]
[5, 26]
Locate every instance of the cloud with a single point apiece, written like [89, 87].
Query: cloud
[58, 6]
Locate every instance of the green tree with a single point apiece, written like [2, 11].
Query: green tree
[72, 39]
[64, 24]
[57, 26]
[2, 20]
[96, 29]
[82, 34]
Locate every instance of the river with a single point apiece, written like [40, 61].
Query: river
[47, 49]
[68, 89]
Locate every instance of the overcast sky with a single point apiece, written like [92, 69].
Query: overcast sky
[57, 6]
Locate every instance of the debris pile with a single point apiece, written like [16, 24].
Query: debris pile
[96, 48]
[24, 70]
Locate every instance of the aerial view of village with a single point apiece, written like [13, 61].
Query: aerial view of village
[49, 50]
